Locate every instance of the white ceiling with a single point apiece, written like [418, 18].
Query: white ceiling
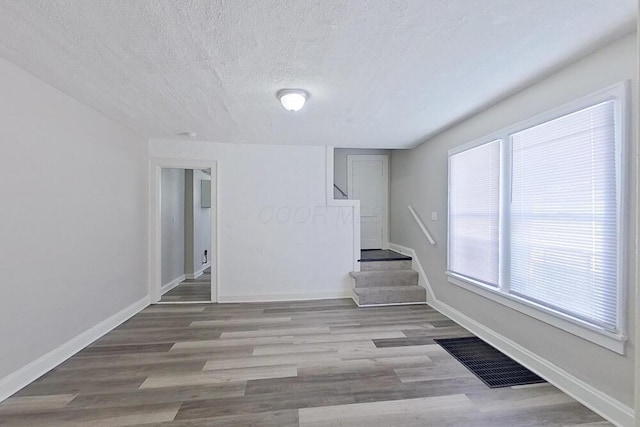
[381, 73]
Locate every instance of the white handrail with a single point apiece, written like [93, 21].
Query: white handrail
[421, 225]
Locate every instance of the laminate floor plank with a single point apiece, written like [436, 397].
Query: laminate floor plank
[220, 376]
[275, 332]
[158, 336]
[198, 289]
[108, 350]
[447, 331]
[309, 363]
[312, 347]
[430, 350]
[449, 368]
[257, 404]
[139, 370]
[112, 417]
[392, 326]
[232, 342]
[521, 398]
[127, 360]
[410, 412]
[35, 403]
[337, 338]
[284, 418]
[414, 390]
[299, 359]
[80, 384]
[547, 416]
[165, 395]
[324, 384]
[156, 323]
[594, 424]
[258, 322]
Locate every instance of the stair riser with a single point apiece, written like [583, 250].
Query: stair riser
[385, 265]
[393, 297]
[375, 282]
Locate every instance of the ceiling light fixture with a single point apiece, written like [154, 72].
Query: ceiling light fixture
[292, 99]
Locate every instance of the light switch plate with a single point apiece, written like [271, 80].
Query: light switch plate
[434, 216]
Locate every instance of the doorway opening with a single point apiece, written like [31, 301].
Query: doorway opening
[183, 233]
[363, 174]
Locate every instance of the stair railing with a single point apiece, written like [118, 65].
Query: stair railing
[341, 192]
[421, 225]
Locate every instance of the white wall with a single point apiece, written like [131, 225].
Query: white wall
[341, 166]
[173, 225]
[277, 238]
[197, 230]
[419, 178]
[201, 221]
[73, 222]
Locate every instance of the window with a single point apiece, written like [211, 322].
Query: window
[535, 218]
[473, 213]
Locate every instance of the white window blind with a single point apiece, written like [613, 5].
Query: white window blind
[564, 219]
[474, 205]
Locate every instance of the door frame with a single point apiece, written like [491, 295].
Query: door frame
[385, 188]
[155, 224]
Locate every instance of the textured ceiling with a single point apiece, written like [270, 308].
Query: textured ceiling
[381, 73]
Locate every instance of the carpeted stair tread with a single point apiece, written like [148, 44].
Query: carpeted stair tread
[385, 265]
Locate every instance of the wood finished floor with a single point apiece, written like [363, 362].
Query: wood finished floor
[314, 363]
[191, 290]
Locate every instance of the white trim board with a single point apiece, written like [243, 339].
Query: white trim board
[172, 284]
[353, 204]
[599, 402]
[29, 373]
[283, 297]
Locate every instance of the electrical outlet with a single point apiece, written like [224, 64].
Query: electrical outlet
[434, 216]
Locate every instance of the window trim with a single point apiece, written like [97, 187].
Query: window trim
[614, 341]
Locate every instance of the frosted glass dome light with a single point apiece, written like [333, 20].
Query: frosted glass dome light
[292, 99]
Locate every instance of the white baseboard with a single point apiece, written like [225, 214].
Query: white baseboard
[198, 273]
[183, 302]
[415, 263]
[389, 304]
[29, 373]
[283, 297]
[172, 284]
[599, 402]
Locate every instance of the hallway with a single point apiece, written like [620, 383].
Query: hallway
[191, 290]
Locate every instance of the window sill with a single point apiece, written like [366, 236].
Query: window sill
[608, 340]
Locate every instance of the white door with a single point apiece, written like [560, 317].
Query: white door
[368, 181]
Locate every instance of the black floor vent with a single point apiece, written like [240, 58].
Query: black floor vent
[488, 364]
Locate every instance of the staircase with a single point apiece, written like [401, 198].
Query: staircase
[386, 277]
